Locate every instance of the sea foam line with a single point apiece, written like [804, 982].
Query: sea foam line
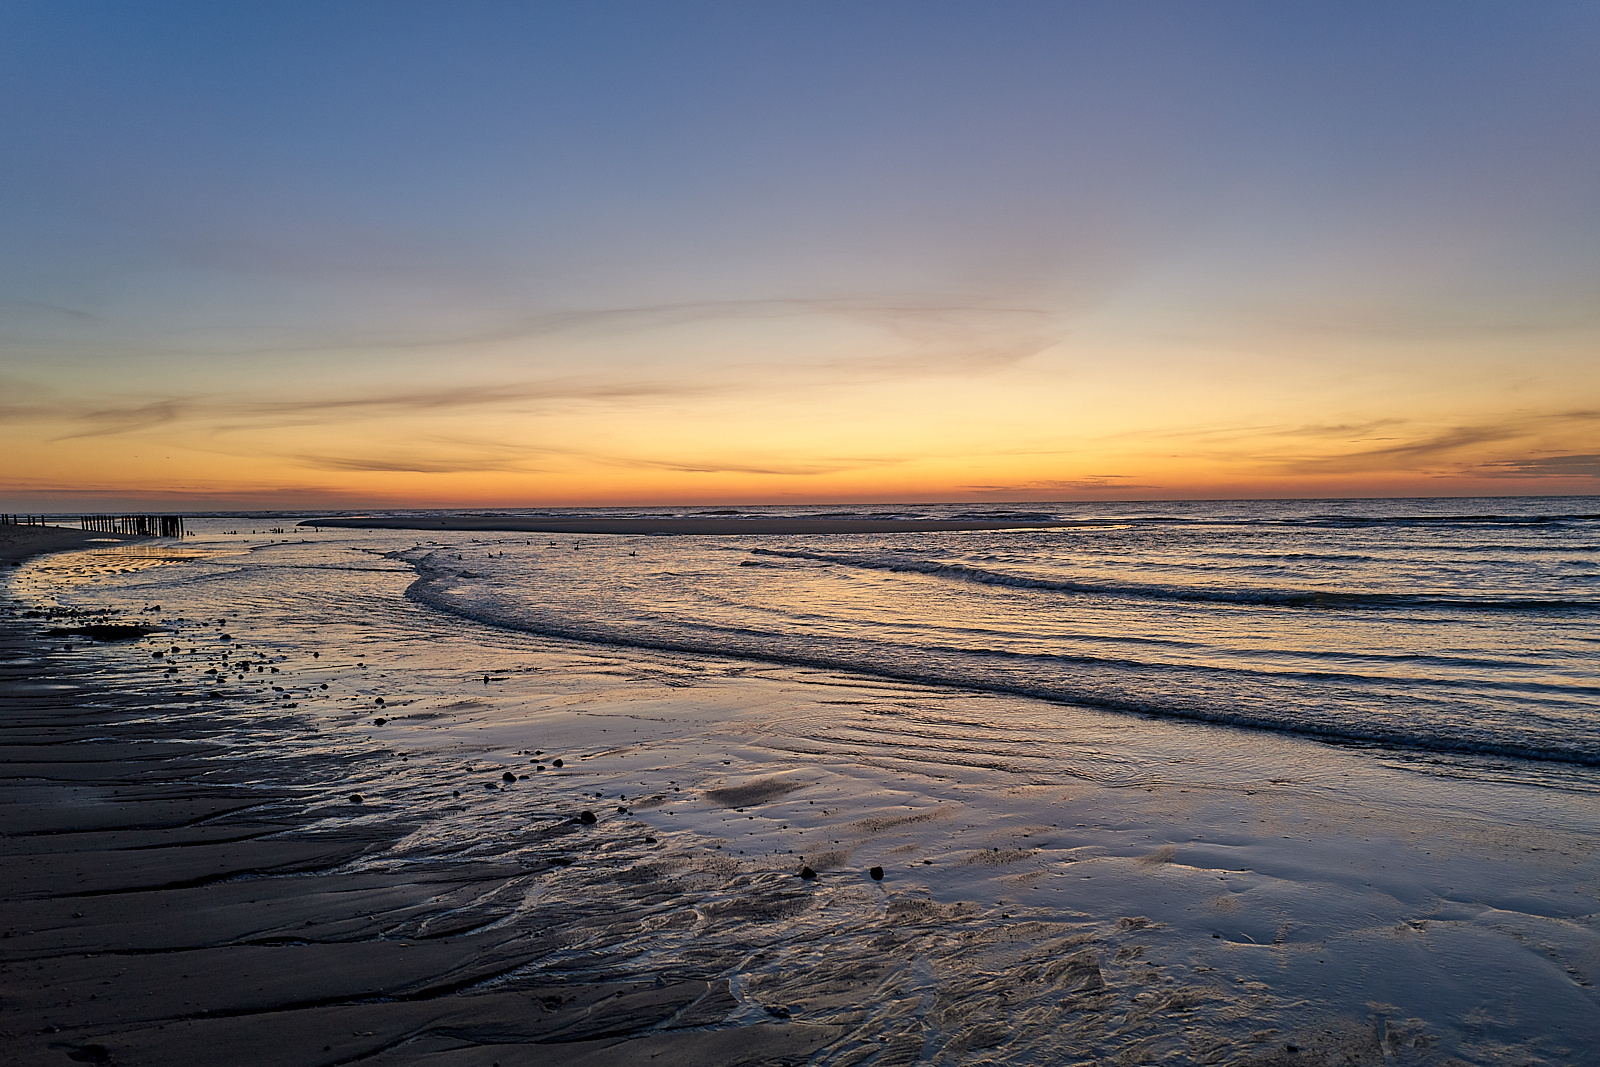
[1294, 598]
[431, 590]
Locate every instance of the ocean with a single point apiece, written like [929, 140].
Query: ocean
[1464, 626]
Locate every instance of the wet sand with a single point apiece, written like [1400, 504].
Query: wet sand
[696, 525]
[17, 543]
[162, 904]
[161, 908]
[187, 880]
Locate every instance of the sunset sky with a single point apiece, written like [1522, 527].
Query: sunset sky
[351, 254]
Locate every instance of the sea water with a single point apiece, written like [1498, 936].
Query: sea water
[1466, 626]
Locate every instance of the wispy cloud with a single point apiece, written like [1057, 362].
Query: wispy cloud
[718, 467]
[1457, 449]
[488, 395]
[118, 420]
[50, 311]
[224, 412]
[1426, 451]
[921, 335]
[1092, 483]
[51, 494]
[415, 464]
[1570, 466]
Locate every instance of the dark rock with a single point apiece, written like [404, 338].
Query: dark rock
[807, 873]
[778, 1013]
[587, 818]
[455, 793]
[621, 810]
[489, 785]
[649, 840]
[509, 777]
[557, 763]
[877, 874]
[378, 701]
[539, 767]
[379, 721]
[90, 1054]
[355, 798]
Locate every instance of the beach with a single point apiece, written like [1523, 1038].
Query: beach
[191, 880]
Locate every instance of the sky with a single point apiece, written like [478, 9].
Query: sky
[471, 254]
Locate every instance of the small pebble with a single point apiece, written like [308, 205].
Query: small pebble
[508, 776]
[807, 873]
[355, 798]
[489, 785]
[379, 722]
[649, 840]
[877, 874]
[587, 818]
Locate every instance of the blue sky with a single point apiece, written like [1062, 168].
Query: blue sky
[479, 252]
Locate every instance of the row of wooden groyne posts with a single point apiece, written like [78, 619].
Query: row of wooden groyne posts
[148, 525]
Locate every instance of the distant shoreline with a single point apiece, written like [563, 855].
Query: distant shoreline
[698, 525]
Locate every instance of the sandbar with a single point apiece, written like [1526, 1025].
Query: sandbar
[716, 526]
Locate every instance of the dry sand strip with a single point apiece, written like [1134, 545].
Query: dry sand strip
[697, 525]
[162, 906]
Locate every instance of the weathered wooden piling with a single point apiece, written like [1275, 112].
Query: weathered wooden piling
[148, 525]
